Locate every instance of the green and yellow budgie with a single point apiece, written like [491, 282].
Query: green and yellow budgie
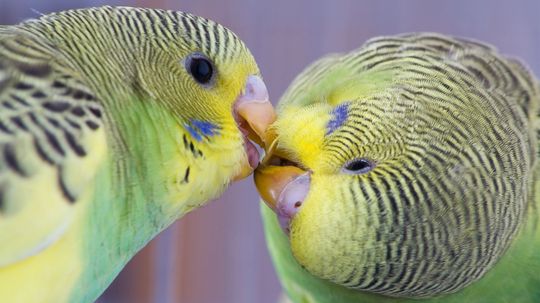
[407, 171]
[114, 122]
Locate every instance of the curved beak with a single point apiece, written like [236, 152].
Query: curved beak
[271, 182]
[254, 114]
[284, 189]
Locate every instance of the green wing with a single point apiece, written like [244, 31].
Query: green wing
[50, 142]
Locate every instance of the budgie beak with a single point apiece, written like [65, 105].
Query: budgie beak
[254, 114]
[282, 186]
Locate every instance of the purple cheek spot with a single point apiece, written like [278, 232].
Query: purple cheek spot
[339, 115]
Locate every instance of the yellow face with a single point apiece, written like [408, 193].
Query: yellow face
[210, 83]
[334, 230]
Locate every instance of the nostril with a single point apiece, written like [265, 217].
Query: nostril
[293, 195]
[256, 89]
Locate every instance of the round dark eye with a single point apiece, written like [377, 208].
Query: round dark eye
[359, 166]
[200, 68]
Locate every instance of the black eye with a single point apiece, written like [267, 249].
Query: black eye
[200, 68]
[359, 166]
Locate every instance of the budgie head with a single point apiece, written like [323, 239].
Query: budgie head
[208, 78]
[171, 79]
[402, 168]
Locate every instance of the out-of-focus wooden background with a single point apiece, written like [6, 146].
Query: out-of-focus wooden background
[217, 254]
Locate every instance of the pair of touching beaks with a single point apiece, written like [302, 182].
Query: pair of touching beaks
[283, 188]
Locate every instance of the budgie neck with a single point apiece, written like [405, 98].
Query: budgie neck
[513, 279]
[129, 206]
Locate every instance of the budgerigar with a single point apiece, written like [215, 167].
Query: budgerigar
[114, 122]
[407, 171]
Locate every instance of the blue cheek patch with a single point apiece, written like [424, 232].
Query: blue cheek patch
[199, 129]
[206, 128]
[339, 115]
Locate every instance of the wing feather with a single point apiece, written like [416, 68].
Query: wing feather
[51, 140]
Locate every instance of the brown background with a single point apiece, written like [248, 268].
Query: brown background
[217, 253]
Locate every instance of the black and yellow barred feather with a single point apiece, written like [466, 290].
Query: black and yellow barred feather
[453, 132]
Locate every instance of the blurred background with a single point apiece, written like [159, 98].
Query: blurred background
[217, 253]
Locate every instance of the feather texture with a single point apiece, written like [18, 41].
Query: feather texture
[450, 209]
[106, 139]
